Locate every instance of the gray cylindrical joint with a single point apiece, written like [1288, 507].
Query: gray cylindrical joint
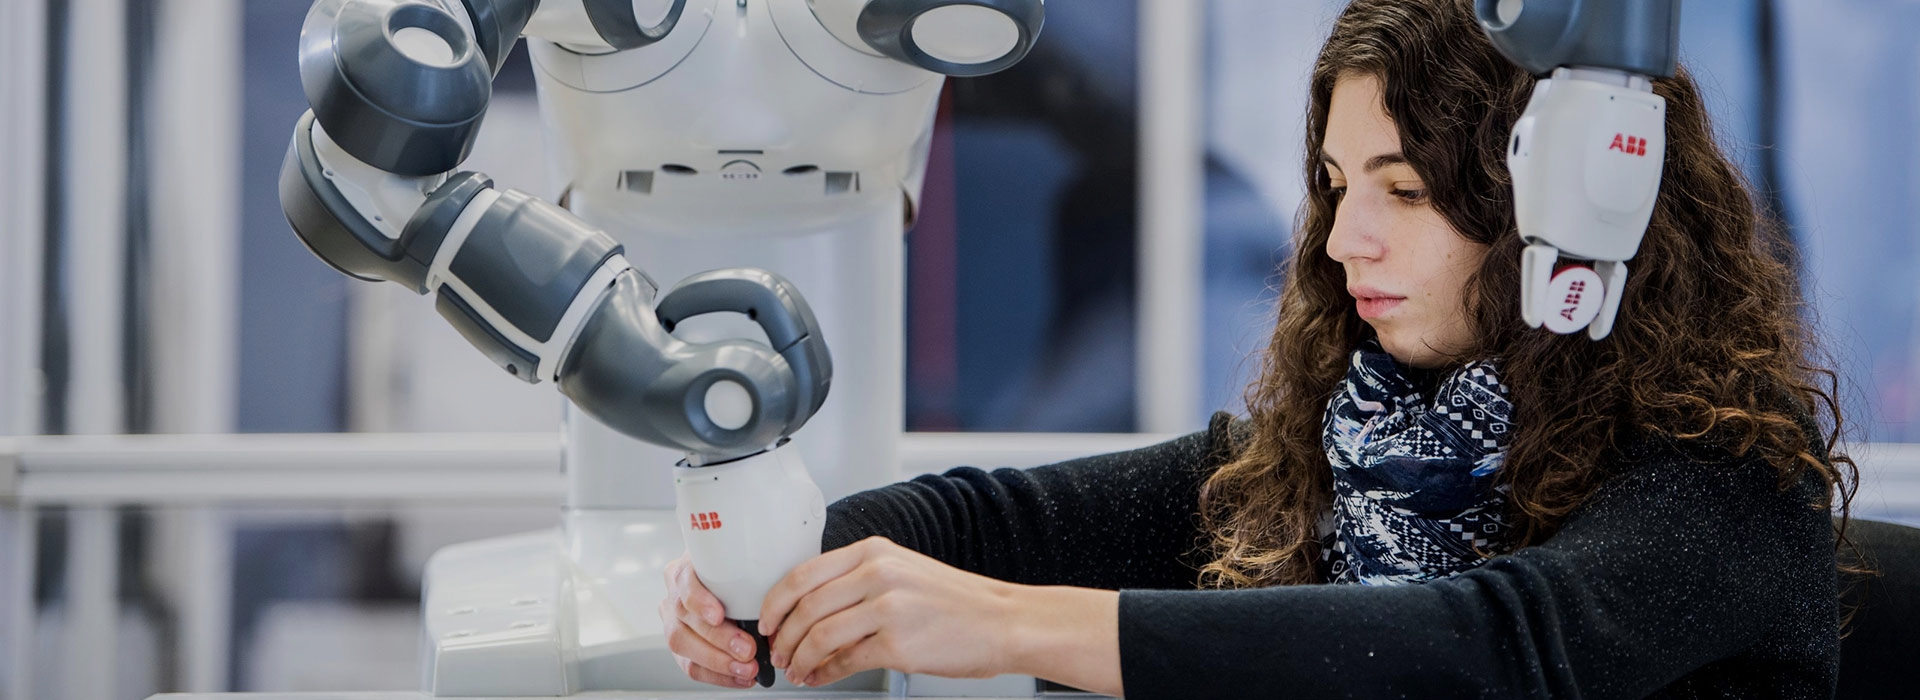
[768, 386]
[1636, 36]
[777, 306]
[617, 24]
[627, 372]
[397, 83]
[497, 25]
[887, 26]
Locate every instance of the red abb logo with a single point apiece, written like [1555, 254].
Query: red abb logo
[1574, 291]
[706, 521]
[1630, 145]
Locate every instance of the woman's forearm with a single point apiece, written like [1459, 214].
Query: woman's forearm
[1068, 635]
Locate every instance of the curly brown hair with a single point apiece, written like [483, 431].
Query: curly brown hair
[1710, 347]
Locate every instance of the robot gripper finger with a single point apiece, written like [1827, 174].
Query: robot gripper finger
[1566, 298]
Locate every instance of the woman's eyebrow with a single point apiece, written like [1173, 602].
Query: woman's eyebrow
[1384, 160]
[1372, 164]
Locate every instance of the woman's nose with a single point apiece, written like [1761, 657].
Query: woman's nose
[1354, 236]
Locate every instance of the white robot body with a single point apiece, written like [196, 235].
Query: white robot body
[1586, 159]
[725, 144]
[761, 82]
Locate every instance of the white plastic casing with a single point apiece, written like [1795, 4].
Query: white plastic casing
[794, 153]
[1586, 159]
[837, 139]
[566, 22]
[747, 523]
[842, 19]
[383, 199]
[495, 630]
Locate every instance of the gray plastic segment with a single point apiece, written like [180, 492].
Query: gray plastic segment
[428, 228]
[516, 360]
[1636, 36]
[330, 226]
[528, 259]
[497, 25]
[887, 26]
[388, 110]
[774, 303]
[627, 372]
[615, 22]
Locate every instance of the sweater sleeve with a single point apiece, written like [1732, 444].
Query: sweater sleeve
[1672, 567]
[1125, 520]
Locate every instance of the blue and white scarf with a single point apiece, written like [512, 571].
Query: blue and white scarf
[1413, 476]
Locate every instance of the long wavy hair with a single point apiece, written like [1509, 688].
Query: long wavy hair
[1710, 347]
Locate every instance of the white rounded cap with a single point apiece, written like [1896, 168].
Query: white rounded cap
[728, 404]
[965, 34]
[424, 46]
[1509, 11]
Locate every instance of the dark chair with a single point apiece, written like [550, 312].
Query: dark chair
[1880, 655]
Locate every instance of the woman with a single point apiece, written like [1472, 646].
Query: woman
[1659, 501]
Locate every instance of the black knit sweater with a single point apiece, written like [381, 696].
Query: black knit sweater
[1685, 576]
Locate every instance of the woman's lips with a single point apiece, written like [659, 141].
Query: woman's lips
[1372, 303]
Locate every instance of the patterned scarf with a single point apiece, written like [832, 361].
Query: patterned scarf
[1414, 498]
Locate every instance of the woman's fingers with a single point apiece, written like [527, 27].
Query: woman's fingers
[865, 654]
[699, 654]
[838, 632]
[823, 602]
[697, 607]
[707, 649]
[725, 636]
[808, 576]
[705, 675]
[692, 593]
[876, 604]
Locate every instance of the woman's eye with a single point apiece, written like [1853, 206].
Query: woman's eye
[1411, 196]
[1337, 193]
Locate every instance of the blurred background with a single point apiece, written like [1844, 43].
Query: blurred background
[149, 283]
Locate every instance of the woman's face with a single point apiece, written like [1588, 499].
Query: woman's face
[1406, 266]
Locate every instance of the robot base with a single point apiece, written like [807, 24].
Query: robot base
[520, 616]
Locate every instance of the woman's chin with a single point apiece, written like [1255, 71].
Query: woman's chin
[1409, 351]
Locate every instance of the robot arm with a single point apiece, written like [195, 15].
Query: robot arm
[398, 89]
[1587, 154]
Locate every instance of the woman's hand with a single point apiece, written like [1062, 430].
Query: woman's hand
[708, 647]
[875, 604]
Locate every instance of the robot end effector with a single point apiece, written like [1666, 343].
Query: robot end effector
[1586, 156]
